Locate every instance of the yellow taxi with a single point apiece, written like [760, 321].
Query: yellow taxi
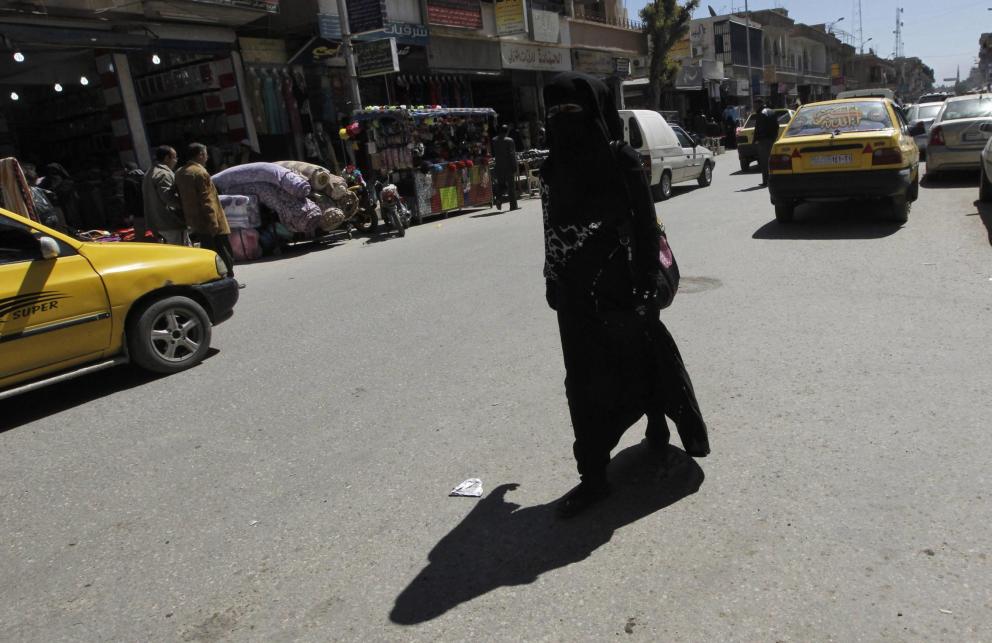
[859, 148]
[70, 307]
[747, 149]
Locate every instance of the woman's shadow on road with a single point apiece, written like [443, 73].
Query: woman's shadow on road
[501, 544]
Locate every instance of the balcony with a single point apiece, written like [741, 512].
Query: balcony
[619, 35]
[591, 15]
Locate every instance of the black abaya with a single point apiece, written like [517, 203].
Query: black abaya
[620, 360]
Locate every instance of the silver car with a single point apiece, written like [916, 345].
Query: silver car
[956, 137]
[923, 113]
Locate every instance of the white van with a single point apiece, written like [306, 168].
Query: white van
[674, 155]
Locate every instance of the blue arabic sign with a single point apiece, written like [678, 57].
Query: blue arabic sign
[404, 32]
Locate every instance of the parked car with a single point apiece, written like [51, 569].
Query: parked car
[845, 149]
[937, 97]
[69, 307]
[672, 155]
[923, 113]
[747, 149]
[956, 137]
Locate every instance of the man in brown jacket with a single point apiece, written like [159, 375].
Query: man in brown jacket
[201, 206]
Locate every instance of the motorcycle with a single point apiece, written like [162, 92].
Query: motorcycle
[394, 208]
[366, 219]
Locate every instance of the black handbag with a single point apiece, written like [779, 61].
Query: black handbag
[667, 281]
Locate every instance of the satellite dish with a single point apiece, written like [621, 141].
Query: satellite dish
[712, 12]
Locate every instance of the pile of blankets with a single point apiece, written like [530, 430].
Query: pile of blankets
[307, 199]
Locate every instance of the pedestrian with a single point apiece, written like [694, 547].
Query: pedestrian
[201, 206]
[620, 361]
[505, 152]
[134, 206]
[765, 133]
[163, 210]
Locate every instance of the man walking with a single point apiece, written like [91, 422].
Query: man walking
[765, 133]
[201, 206]
[163, 210]
[505, 151]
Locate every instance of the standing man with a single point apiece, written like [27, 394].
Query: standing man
[505, 151]
[163, 210]
[765, 133]
[201, 206]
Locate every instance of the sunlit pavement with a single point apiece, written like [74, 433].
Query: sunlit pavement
[294, 486]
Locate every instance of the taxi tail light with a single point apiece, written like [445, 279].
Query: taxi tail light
[937, 136]
[780, 162]
[886, 156]
[646, 162]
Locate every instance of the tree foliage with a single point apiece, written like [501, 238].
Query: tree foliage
[665, 22]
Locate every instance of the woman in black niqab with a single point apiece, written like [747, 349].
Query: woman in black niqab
[620, 361]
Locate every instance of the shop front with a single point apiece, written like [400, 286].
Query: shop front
[83, 103]
[529, 67]
[468, 69]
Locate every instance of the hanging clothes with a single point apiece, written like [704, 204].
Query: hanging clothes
[256, 102]
[15, 189]
[271, 97]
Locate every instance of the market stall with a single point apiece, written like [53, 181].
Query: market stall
[438, 157]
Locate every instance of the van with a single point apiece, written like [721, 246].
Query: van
[672, 154]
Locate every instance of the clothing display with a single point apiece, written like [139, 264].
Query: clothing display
[15, 193]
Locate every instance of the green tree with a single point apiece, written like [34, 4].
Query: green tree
[665, 22]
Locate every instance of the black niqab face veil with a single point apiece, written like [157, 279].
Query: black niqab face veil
[581, 170]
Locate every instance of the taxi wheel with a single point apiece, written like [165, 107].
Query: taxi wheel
[900, 209]
[706, 176]
[985, 187]
[785, 212]
[169, 335]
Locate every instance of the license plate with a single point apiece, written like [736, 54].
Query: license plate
[832, 159]
[975, 136]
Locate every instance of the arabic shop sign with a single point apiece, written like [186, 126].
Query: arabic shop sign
[366, 15]
[376, 57]
[455, 13]
[519, 56]
[404, 32]
[690, 77]
[511, 17]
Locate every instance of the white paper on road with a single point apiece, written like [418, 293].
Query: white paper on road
[471, 488]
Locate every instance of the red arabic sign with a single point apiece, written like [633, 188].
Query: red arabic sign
[455, 13]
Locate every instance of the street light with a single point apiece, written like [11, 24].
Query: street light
[830, 26]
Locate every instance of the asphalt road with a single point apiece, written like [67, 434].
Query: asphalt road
[294, 486]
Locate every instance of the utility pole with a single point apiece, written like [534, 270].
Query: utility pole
[897, 51]
[349, 55]
[859, 34]
[750, 77]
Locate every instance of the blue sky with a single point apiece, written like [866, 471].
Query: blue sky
[943, 33]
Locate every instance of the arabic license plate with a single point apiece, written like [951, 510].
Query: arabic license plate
[831, 159]
[974, 136]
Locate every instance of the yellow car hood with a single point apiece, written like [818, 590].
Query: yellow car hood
[132, 269]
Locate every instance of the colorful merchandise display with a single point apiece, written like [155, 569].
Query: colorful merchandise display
[439, 157]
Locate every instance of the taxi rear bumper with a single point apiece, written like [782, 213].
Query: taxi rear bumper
[863, 184]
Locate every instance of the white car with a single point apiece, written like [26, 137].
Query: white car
[957, 136]
[672, 154]
[923, 113]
